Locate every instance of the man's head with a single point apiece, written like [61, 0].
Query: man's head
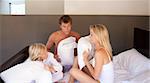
[65, 23]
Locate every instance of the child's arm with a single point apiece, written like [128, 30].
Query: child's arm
[53, 62]
[49, 68]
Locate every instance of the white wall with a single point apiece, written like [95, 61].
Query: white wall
[4, 5]
[44, 7]
[107, 7]
[81, 7]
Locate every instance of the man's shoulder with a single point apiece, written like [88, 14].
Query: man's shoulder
[74, 33]
[55, 33]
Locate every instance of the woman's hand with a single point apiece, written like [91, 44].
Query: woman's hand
[85, 56]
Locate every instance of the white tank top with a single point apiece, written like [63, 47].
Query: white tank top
[107, 73]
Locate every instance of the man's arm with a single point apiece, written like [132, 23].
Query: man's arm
[50, 42]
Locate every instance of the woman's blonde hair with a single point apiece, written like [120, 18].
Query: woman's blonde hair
[103, 36]
[35, 50]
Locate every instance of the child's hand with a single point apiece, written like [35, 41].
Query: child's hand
[46, 67]
[49, 68]
[57, 58]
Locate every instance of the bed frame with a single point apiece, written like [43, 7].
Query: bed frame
[141, 41]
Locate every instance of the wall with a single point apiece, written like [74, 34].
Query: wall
[106, 7]
[87, 7]
[44, 7]
[0, 39]
[25, 30]
[149, 7]
[5, 7]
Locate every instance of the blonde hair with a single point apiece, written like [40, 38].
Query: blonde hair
[103, 36]
[35, 50]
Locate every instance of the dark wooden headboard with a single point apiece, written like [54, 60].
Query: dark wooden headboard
[141, 41]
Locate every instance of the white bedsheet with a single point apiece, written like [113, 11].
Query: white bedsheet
[131, 67]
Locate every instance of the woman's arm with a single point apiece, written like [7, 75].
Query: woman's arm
[95, 72]
[99, 62]
[86, 61]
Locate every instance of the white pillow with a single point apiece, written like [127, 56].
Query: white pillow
[132, 61]
[65, 50]
[26, 72]
[83, 45]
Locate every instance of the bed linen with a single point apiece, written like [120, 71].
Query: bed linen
[131, 67]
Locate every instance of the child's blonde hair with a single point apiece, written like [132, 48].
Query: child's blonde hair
[35, 50]
[103, 36]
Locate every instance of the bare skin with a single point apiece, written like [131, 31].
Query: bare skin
[101, 58]
[57, 36]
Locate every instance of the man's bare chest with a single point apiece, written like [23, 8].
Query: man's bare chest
[59, 38]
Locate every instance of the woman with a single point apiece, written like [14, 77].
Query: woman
[102, 68]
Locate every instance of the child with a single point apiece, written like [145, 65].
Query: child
[52, 64]
[30, 71]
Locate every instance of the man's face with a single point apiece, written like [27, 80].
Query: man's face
[66, 27]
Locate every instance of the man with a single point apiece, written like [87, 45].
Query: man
[65, 31]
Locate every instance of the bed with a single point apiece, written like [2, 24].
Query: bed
[20, 57]
[133, 65]
[130, 66]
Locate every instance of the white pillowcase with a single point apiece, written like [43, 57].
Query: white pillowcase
[27, 72]
[132, 61]
[83, 45]
[65, 50]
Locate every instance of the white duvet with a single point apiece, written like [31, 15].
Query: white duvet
[131, 67]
